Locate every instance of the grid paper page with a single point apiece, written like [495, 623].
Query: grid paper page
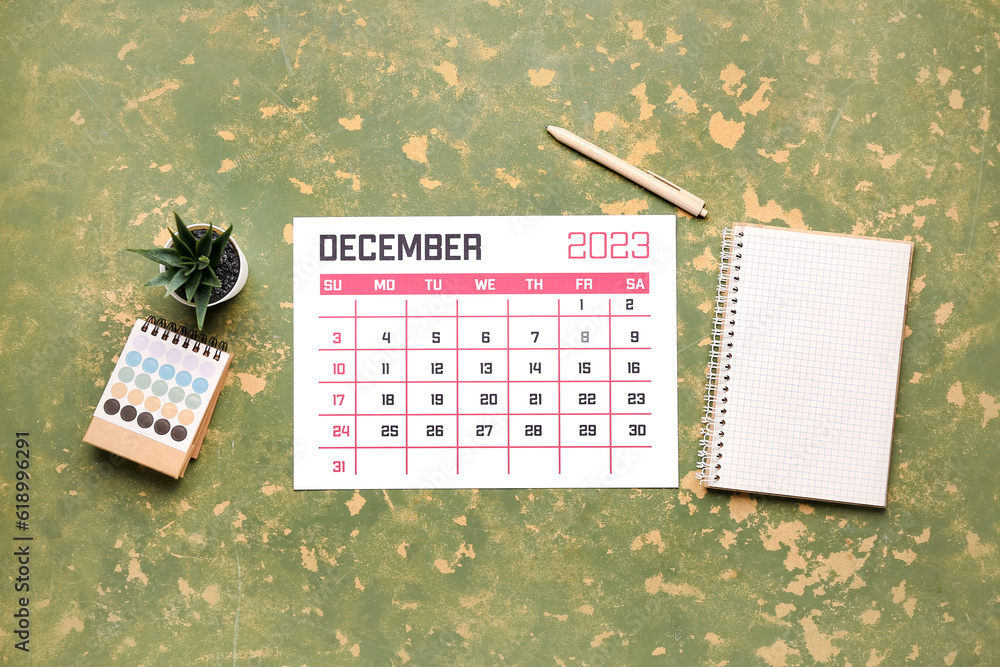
[815, 366]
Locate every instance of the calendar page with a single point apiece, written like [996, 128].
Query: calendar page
[485, 352]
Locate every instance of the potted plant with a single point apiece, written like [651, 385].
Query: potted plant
[200, 266]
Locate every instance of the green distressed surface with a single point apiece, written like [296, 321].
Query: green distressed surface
[872, 118]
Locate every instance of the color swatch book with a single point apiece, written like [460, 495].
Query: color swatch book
[805, 363]
[159, 399]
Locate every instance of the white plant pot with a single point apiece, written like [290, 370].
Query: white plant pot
[241, 279]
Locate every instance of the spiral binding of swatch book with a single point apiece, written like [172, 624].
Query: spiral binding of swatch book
[193, 339]
[158, 401]
[720, 363]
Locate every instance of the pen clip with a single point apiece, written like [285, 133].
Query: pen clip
[660, 178]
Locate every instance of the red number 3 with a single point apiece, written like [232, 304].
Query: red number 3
[644, 245]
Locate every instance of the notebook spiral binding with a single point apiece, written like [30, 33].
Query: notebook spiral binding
[720, 363]
[193, 339]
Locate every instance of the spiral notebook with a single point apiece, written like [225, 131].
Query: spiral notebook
[160, 397]
[804, 367]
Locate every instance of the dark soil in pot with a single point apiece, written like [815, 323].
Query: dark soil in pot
[227, 271]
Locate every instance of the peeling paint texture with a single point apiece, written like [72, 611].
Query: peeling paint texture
[848, 117]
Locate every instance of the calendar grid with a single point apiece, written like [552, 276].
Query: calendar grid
[493, 414]
[558, 381]
[508, 413]
[363, 447]
[508, 386]
[406, 386]
[461, 382]
[355, 387]
[560, 415]
[458, 429]
[478, 317]
[611, 444]
[472, 349]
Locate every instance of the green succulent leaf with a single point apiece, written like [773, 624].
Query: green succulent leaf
[182, 248]
[204, 247]
[166, 256]
[201, 304]
[220, 246]
[203, 262]
[192, 284]
[184, 234]
[209, 278]
[179, 279]
[162, 278]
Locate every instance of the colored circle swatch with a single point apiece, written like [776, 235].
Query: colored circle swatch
[160, 386]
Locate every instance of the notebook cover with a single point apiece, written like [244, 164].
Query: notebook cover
[806, 409]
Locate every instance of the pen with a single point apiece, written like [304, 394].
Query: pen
[647, 179]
